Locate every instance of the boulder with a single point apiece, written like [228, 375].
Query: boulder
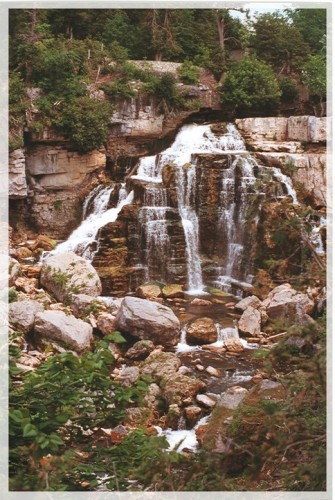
[106, 323]
[44, 243]
[192, 414]
[200, 302]
[233, 345]
[159, 364]
[13, 271]
[149, 292]
[65, 274]
[140, 349]
[56, 325]
[252, 301]
[250, 322]
[205, 401]
[82, 303]
[177, 388]
[201, 331]
[173, 291]
[22, 314]
[23, 253]
[26, 285]
[127, 375]
[232, 397]
[285, 303]
[149, 321]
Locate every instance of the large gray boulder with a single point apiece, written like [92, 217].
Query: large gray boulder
[250, 322]
[148, 320]
[66, 274]
[56, 325]
[285, 303]
[201, 331]
[22, 314]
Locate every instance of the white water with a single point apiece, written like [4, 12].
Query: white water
[315, 236]
[83, 240]
[284, 179]
[180, 439]
[190, 140]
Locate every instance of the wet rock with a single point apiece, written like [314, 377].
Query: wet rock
[148, 321]
[127, 375]
[201, 331]
[44, 243]
[32, 271]
[192, 414]
[13, 271]
[205, 401]
[285, 303]
[200, 302]
[232, 397]
[66, 274]
[106, 323]
[173, 416]
[149, 292]
[252, 301]
[233, 345]
[140, 349]
[173, 291]
[22, 314]
[213, 371]
[250, 322]
[56, 325]
[23, 253]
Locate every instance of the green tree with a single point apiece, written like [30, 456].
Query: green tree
[314, 76]
[278, 43]
[312, 24]
[250, 86]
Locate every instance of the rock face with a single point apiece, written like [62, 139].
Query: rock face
[22, 314]
[148, 320]
[17, 183]
[56, 325]
[250, 322]
[283, 302]
[67, 273]
[279, 141]
[202, 331]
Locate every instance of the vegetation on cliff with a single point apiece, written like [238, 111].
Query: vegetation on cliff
[66, 51]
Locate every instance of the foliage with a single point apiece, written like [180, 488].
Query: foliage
[312, 24]
[314, 75]
[188, 73]
[250, 86]
[56, 407]
[279, 43]
[289, 90]
[12, 295]
[120, 88]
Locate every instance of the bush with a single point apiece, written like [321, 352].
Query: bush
[188, 73]
[289, 90]
[119, 88]
[250, 85]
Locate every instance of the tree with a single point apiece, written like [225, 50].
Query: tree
[279, 43]
[314, 76]
[312, 24]
[250, 85]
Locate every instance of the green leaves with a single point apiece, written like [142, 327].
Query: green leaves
[116, 337]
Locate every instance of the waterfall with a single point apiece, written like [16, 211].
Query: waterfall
[315, 236]
[83, 240]
[284, 179]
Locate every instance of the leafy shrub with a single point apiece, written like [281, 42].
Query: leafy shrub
[188, 73]
[289, 90]
[119, 88]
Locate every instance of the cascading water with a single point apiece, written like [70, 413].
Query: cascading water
[83, 240]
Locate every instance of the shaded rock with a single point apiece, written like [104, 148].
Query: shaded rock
[153, 396]
[13, 271]
[23, 253]
[160, 364]
[149, 291]
[140, 349]
[173, 291]
[252, 301]
[66, 274]
[232, 397]
[205, 401]
[127, 375]
[201, 331]
[285, 303]
[32, 271]
[106, 323]
[192, 414]
[178, 387]
[148, 320]
[250, 322]
[22, 314]
[81, 304]
[135, 416]
[26, 285]
[184, 370]
[173, 416]
[56, 325]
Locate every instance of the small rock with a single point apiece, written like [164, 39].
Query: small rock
[43, 242]
[184, 370]
[26, 285]
[149, 291]
[128, 375]
[82, 304]
[173, 291]
[201, 368]
[192, 414]
[205, 401]
[22, 314]
[140, 349]
[32, 271]
[106, 323]
[213, 371]
[118, 434]
[14, 269]
[201, 331]
[232, 397]
[251, 301]
[230, 305]
[23, 253]
[200, 302]
[250, 322]
[173, 416]
[234, 346]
